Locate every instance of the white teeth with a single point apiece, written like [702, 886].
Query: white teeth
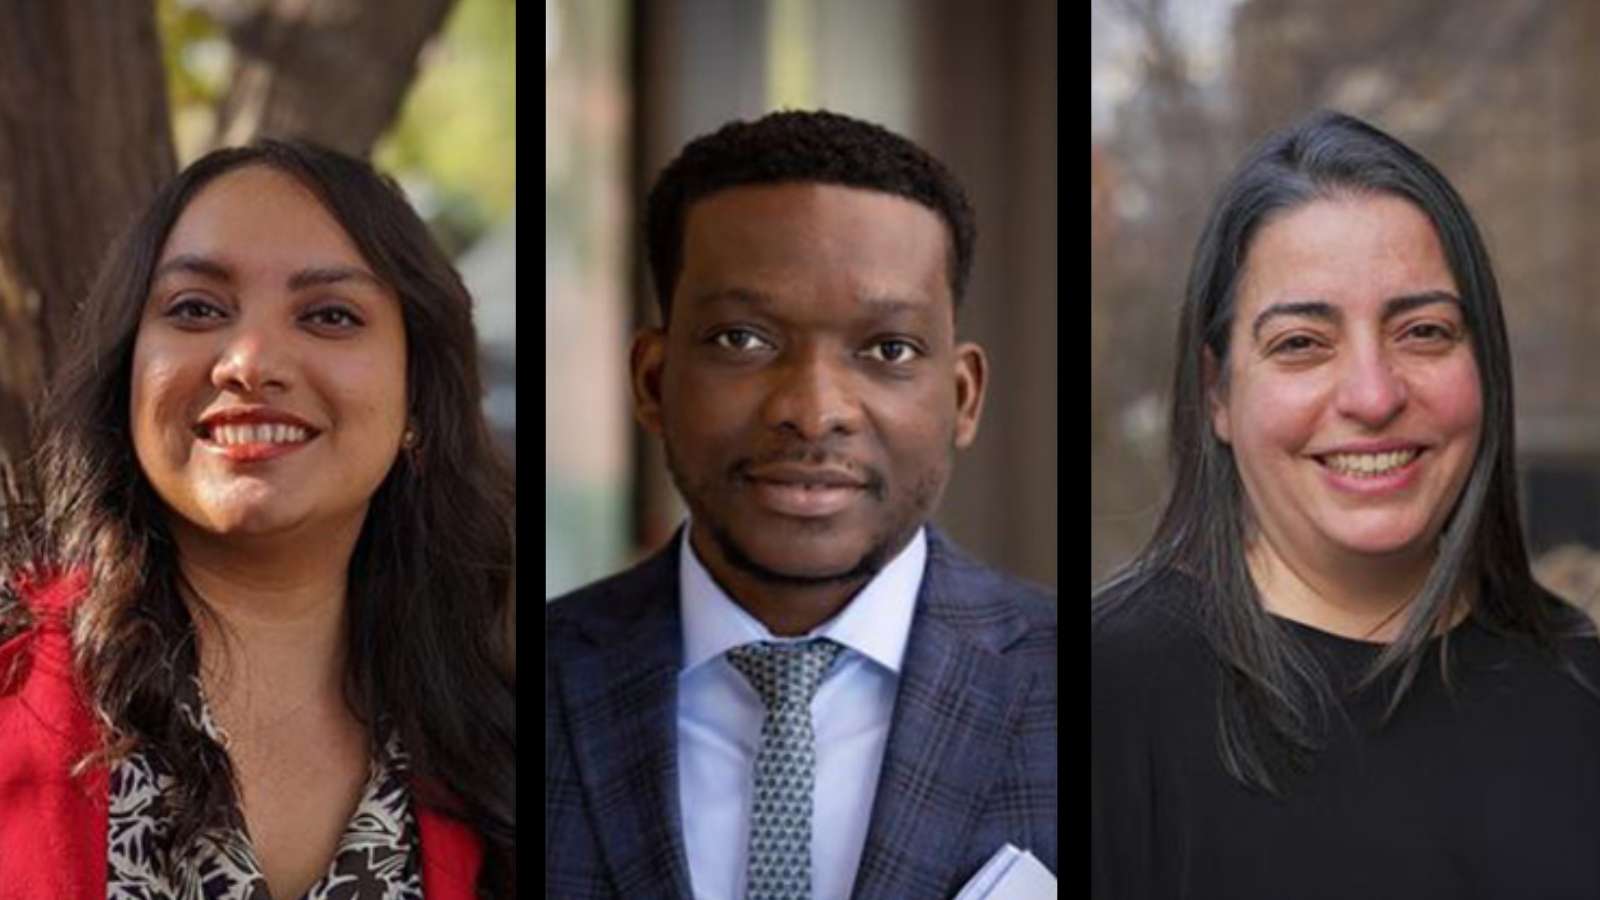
[234, 435]
[1371, 464]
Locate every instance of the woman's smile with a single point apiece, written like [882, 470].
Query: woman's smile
[1376, 475]
[244, 444]
[254, 435]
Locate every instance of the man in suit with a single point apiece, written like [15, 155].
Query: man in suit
[810, 693]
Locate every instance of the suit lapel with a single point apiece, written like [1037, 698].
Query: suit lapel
[958, 708]
[621, 705]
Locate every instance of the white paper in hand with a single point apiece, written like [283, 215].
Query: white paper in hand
[1012, 875]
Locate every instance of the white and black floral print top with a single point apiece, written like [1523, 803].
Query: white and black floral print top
[377, 858]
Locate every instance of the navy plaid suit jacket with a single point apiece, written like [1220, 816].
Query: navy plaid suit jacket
[970, 766]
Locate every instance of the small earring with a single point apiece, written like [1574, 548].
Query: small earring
[411, 439]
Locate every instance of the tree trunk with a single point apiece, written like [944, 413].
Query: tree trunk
[85, 143]
[331, 71]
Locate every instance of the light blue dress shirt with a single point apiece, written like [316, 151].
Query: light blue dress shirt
[720, 716]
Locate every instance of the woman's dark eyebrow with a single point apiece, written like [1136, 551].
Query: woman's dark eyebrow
[1312, 309]
[310, 277]
[1327, 312]
[194, 264]
[1399, 306]
[320, 276]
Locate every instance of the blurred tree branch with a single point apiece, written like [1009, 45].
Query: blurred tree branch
[332, 71]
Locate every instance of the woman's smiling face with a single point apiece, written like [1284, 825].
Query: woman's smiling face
[1352, 398]
[262, 309]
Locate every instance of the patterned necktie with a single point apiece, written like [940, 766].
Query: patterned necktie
[787, 677]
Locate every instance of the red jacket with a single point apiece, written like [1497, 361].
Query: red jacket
[53, 827]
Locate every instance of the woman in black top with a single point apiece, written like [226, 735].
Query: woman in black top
[1331, 674]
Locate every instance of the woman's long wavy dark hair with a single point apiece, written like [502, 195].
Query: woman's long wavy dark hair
[431, 582]
[1275, 701]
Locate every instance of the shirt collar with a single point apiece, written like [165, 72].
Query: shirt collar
[876, 623]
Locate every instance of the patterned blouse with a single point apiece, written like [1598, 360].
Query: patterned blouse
[377, 858]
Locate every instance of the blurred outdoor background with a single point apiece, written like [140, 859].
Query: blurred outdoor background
[1501, 94]
[102, 101]
[629, 82]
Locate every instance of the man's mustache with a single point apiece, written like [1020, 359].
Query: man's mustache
[874, 481]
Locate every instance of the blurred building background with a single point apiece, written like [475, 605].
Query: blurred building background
[1501, 95]
[627, 84]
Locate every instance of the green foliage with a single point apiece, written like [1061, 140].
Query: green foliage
[454, 145]
[194, 51]
[458, 131]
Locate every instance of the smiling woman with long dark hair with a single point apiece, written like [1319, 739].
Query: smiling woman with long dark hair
[1331, 673]
[254, 617]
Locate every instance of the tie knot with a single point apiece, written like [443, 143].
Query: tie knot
[785, 674]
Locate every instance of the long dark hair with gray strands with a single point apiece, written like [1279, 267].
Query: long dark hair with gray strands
[1274, 700]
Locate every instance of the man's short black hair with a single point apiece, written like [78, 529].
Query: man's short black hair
[802, 147]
